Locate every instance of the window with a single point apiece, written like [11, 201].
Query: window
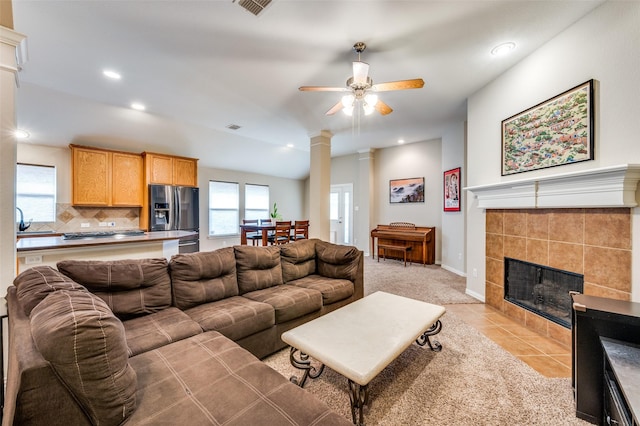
[224, 201]
[36, 192]
[256, 201]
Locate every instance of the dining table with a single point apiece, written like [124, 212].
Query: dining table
[264, 228]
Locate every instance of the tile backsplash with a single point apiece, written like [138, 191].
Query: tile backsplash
[71, 218]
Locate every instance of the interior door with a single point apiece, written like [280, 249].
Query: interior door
[341, 214]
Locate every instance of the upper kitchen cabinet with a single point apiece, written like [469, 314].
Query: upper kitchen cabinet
[102, 177]
[170, 170]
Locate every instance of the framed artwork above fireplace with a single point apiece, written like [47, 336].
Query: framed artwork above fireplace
[555, 132]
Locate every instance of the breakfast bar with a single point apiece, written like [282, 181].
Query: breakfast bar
[119, 245]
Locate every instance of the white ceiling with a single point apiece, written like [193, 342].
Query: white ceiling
[199, 66]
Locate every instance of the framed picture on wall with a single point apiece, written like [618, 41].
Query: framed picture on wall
[555, 132]
[409, 190]
[452, 190]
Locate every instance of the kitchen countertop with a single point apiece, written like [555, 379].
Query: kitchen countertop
[57, 242]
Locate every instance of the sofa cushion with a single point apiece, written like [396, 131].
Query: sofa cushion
[130, 287]
[210, 380]
[158, 329]
[203, 277]
[336, 261]
[258, 267]
[289, 302]
[85, 344]
[332, 289]
[298, 259]
[34, 284]
[235, 317]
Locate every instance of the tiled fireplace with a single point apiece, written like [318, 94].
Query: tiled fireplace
[579, 222]
[593, 242]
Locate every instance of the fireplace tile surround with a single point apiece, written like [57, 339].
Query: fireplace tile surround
[595, 242]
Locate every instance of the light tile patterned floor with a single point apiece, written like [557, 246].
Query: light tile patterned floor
[546, 356]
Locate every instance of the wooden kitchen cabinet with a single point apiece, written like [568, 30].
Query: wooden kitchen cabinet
[165, 169]
[107, 178]
[127, 179]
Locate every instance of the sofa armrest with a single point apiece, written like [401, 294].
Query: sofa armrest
[31, 381]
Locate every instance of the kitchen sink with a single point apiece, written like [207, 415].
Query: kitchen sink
[101, 234]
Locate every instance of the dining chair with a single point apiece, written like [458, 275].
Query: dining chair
[255, 237]
[282, 233]
[300, 230]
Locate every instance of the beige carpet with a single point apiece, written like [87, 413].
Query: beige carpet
[471, 382]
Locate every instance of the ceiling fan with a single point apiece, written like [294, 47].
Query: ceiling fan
[363, 90]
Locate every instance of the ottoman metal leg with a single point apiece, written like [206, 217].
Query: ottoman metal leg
[359, 396]
[301, 360]
[424, 338]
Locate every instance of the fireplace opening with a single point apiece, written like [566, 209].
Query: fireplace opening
[541, 289]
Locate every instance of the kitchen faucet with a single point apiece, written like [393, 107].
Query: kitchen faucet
[21, 225]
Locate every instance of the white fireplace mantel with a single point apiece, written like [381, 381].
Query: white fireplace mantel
[613, 186]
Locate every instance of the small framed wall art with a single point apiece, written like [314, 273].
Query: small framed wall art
[452, 190]
[406, 190]
[555, 132]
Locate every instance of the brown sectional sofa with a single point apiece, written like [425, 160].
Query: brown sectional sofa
[151, 342]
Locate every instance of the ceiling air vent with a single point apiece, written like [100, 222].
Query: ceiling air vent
[233, 127]
[254, 6]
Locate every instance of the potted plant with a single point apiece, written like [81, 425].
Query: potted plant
[274, 214]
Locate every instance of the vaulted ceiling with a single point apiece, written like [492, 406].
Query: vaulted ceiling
[200, 66]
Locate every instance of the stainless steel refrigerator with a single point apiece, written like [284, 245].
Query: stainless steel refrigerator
[176, 208]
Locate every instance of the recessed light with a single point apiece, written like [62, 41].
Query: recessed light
[400, 141]
[113, 75]
[289, 145]
[503, 48]
[21, 134]
[138, 106]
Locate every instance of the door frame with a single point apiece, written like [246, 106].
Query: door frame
[343, 188]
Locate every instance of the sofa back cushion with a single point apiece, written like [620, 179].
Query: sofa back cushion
[130, 287]
[298, 259]
[336, 261]
[257, 267]
[34, 284]
[85, 344]
[203, 277]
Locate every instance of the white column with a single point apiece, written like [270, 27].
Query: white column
[11, 45]
[365, 219]
[320, 186]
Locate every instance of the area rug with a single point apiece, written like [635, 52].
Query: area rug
[429, 283]
[472, 381]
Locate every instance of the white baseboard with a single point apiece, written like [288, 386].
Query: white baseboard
[455, 271]
[475, 295]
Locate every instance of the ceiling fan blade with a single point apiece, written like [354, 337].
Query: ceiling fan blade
[416, 83]
[322, 89]
[337, 107]
[383, 108]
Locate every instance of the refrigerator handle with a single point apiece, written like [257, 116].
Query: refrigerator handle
[177, 208]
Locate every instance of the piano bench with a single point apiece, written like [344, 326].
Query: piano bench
[403, 249]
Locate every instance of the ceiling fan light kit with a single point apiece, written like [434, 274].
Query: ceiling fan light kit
[361, 85]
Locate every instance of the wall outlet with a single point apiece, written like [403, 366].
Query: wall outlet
[102, 224]
[475, 272]
[459, 256]
[32, 260]
[224, 244]
[85, 225]
[111, 224]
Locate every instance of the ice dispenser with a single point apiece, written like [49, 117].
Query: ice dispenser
[161, 216]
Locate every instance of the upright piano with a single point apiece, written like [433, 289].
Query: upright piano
[422, 240]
